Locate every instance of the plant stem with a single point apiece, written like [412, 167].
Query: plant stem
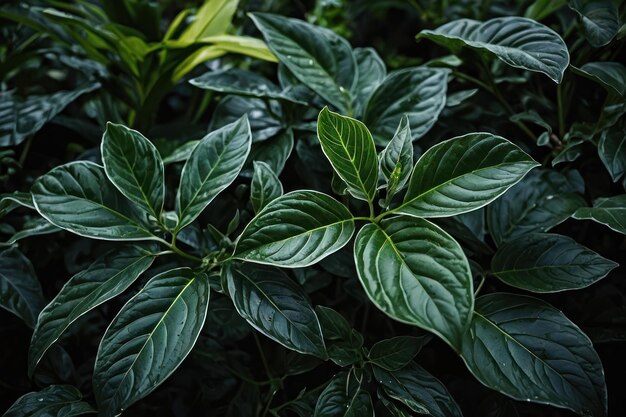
[262, 354]
[480, 285]
[172, 246]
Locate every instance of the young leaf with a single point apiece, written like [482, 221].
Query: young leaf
[135, 167]
[539, 202]
[396, 160]
[55, 400]
[107, 277]
[212, 166]
[463, 174]
[547, 358]
[20, 291]
[610, 211]
[416, 273]
[297, 229]
[349, 147]
[517, 41]
[371, 72]
[600, 20]
[344, 397]
[542, 262]
[419, 92]
[318, 57]
[418, 390]
[149, 338]
[265, 186]
[276, 306]
[343, 342]
[395, 353]
[82, 187]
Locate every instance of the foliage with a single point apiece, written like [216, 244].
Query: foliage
[345, 239]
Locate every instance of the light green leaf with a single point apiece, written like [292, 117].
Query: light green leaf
[149, 338]
[20, 118]
[610, 211]
[600, 20]
[547, 358]
[20, 291]
[419, 92]
[344, 397]
[519, 42]
[610, 75]
[418, 390]
[82, 187]
[395, 353]
[348, 145]
[417, 274]
[318, 57]
[542, 262]
[612, 150]
[107, 277]
[396, 160]
[55, 400]
[212, 166]
[463, 174]
[371, 72]
[135, 167]
[296, 230]
[276, 306]
[539, 202]
[265, 186]
[540, 9]
[213, 18]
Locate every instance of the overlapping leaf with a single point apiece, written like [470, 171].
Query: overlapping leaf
[265, 186]
[344, 397]
[610, 211]
[396, 160]
[599, 18]
[54, 400]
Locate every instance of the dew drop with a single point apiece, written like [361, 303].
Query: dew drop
[40, 399]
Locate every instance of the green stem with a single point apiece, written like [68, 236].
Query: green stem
[172, 247]
[480, 285]
[363, 218]
[26, 149]
[262, 354]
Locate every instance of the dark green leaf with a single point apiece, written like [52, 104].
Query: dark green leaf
[344, 397]
[107, 277]
[349, 147]
[395, 353]
[542, 262]
[318, 57]
[342, 341]
[396, 160]
[212, 166]
[418, 390]
[600, 20]
[276, 306]
[296, 230]
[9, 202]
[610, 75]
[528, 350]
[371, 72]
[416, 273]
[612, 150]
[420, 93]
[463, 174]
[135, 167]
[82, 187]
[517, 41]
[20, 291]
[265, 118]
[274, 151]
[149, 338]
[55, 400]
[265, 186]
[610, 211]
[540, 9]
[33, 227]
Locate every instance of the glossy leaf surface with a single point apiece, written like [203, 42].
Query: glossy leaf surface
[54, 400]
[395, 353]
[599, 18]
[416, 273]
[610, 211]
[265, 186]
[547, 358]
[296, 230]
[149, 338]
[396, 160]
[612, 150]
[344, 397]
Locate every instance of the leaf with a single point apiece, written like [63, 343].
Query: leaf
[82, 187]
[264, 118]
[265, 186]
[107, 277]
[344, 397]
[610, 211]
[20, 118]
[542, 262]
[343, 343]
[11, 201]
[371, 72]
[419, 92]
[20, 291]
[318, 57]
[274, 151]
[417, 274]
[396, 160]
[32, 227]
[610, 75]
[241, 82]
[547, 358]
[463, 174]
[539, 202]
[612, 150]
[540, 9]
[349, 147]
[600, 20]
[213, 18]
[55, 400]
[149, 338]
[135, 167]
[517, 41]
[395, 353]
[276, 306]
[296, 230]
[212, 166]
